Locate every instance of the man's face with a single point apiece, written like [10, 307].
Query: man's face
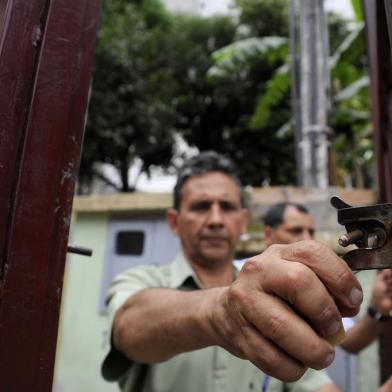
[296, 226]
[210, 219]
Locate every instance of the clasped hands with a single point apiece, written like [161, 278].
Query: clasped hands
[285, 309]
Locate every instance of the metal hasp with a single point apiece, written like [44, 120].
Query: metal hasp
[370, 229]
[80, 250]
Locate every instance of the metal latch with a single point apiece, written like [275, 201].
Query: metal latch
[370, 229]
[79, 250]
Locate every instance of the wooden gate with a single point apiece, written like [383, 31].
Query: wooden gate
[46, 52]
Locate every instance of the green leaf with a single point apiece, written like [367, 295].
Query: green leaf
[277, 87]
[357, 6]
[285, 129]
[353, 89]
[232, 58]
[345, 46]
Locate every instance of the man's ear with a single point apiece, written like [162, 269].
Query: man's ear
[245, 219]
[172, 219]
[268, 234]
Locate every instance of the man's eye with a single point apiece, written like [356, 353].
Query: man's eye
[300, 230]
[295, 230]
[227, 206]
[203, 206]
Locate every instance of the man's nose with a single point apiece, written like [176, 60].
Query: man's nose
[215, 217]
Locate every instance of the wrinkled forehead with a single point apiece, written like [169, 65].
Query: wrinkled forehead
[211, 186]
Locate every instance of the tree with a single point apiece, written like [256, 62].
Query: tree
[352, 146]
[152, 84]
[243, 70]
[149, 86]
[130, 116]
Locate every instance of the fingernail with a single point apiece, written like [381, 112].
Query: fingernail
[337, 338]
[329, 359]
[356, 296]
[333, 328]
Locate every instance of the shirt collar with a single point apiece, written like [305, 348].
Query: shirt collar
[182, 273]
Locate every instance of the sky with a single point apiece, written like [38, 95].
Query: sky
[222, 6]
[162, 183]
[340, 6]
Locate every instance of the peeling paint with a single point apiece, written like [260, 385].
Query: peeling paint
[37, 36]
[66, 221]
[66, 174]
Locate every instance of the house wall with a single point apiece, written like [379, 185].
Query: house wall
[82, 339]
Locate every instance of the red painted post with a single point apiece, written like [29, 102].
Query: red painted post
[46, 54]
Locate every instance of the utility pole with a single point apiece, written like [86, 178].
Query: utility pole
[311, 88]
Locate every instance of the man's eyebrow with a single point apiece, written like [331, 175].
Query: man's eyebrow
[229, 202]
[202, 200]
[209, 202]
[200, 203]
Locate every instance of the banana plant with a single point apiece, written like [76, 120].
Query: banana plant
[230, 62]
[350, 114]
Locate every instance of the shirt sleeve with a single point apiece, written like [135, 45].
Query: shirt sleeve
[128, 283]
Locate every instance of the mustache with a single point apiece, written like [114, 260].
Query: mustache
[214, 237]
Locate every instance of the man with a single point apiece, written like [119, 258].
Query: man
[193, 325]
[286, 223]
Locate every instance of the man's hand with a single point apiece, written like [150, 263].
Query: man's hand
[382, 292]
[284, 304]
[367, 329]
[277, 314]
[387, 387]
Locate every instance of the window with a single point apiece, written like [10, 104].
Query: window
[130, 243]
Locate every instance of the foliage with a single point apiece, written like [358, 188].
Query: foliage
[264, 18]
[352, 145]
[151, 87]
[357, 7]
[216, 115]
[352, 156]
[149, 81]
[232, 58]
[130, 114]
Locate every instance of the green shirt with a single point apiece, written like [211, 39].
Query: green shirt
[211, 369]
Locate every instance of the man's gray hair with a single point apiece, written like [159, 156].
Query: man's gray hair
[205, 162]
